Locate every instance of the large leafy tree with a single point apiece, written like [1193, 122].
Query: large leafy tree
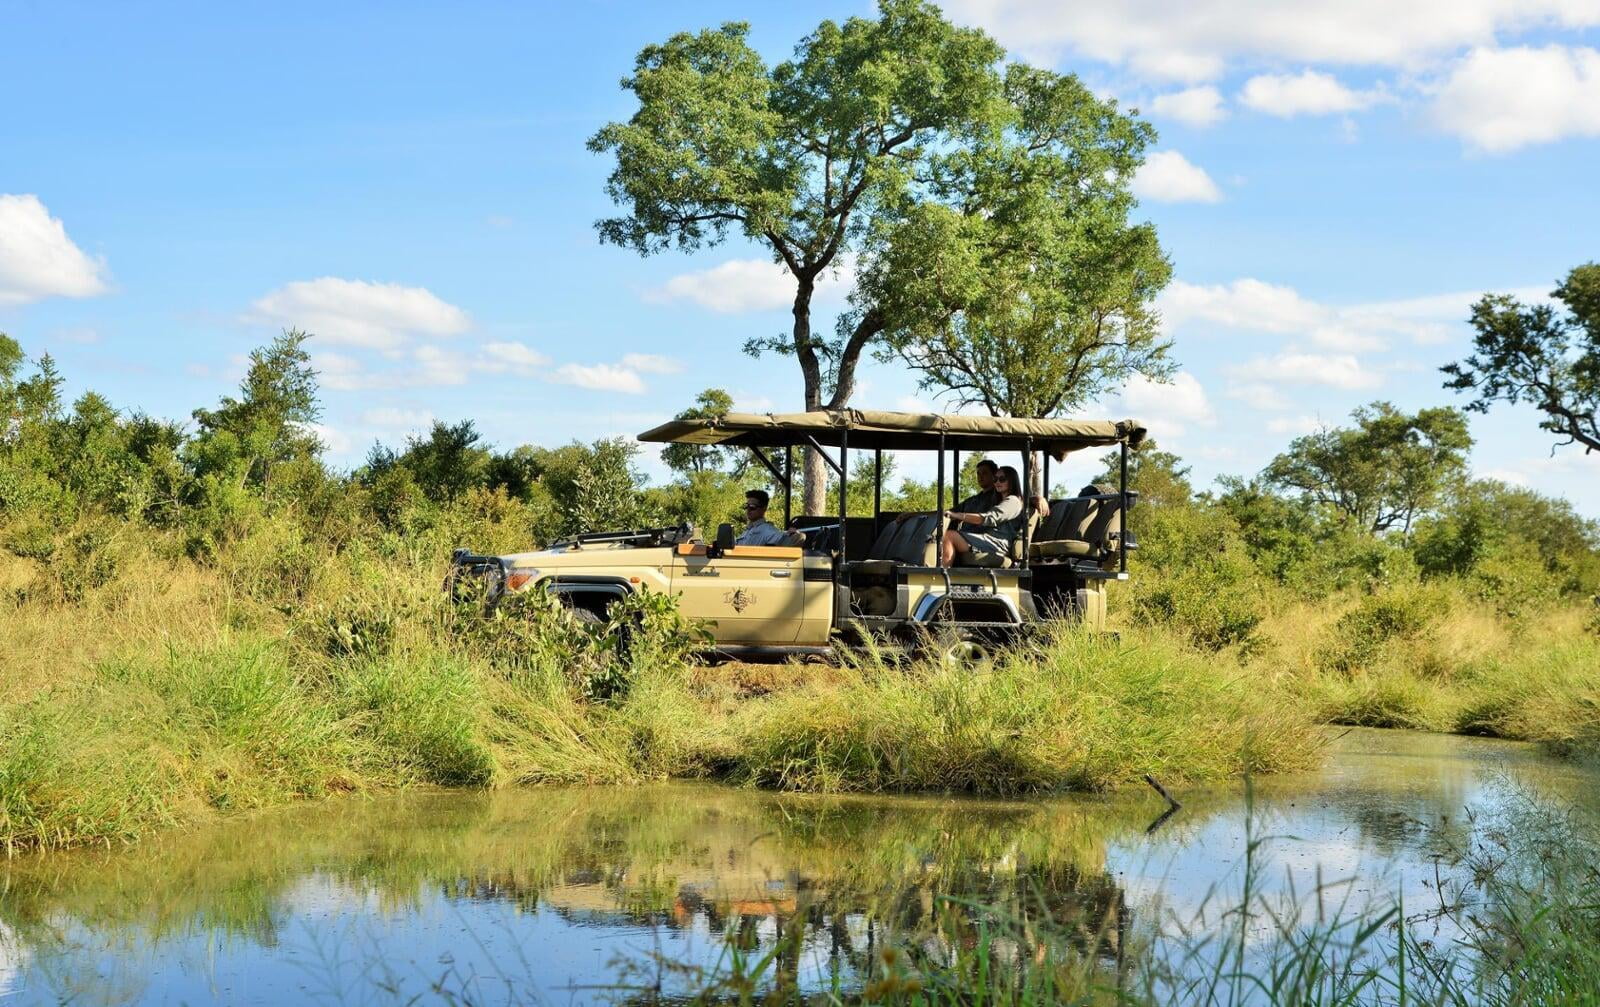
[1383, 472]
[876, 133]
[1533, 354]
[1013, 280]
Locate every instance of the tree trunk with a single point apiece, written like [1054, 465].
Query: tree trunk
[1037, 493]
[815, 494]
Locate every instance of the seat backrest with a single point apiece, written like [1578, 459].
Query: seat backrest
[1070, 518]
[860, 534]
[1030, 533]
[883, 545]
[1107, 521]
[916, 546]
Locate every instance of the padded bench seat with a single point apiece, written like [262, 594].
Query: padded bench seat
[1082, 527]
[912, 542]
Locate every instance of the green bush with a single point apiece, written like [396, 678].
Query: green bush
[1196, 579]
[1361, 635]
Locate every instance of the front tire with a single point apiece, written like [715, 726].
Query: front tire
[597, 622]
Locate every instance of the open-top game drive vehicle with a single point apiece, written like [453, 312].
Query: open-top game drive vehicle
[847, 576]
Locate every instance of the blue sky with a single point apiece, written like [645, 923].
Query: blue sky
[1335, 182]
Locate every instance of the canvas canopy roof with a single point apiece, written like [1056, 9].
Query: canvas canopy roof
[870, 428]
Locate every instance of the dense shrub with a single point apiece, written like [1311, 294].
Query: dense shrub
[1196, 578]
[1360, 636]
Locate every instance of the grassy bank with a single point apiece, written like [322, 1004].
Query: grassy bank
[1440, 657]
[178, 691]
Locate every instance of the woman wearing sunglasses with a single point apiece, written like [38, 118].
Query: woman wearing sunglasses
[984, 538]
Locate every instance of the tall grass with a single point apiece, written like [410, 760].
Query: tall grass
[179, 691]
[1070, 710]
[273, 670]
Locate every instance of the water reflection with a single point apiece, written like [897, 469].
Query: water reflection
[541, 892]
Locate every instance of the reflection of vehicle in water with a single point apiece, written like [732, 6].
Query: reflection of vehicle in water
[883, 873]
[855, 574]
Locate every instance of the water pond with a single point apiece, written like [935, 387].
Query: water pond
[544, 895]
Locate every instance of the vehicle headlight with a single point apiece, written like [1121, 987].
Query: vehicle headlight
[521, 576]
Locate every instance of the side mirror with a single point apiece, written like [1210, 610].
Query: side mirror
[724, 536]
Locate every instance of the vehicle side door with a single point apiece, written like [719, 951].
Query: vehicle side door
[748, 595]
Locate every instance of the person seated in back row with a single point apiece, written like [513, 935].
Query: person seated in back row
[990, 532]
[760, 531]
[985, 499]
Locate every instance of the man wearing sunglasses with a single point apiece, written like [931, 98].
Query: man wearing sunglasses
[761, 531]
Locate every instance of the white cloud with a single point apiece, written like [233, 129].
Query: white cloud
[742, 285]
[1307, 93]
[1253, 305]
[1261, 396]
[651, 363]
[1169, 410]
[37, 259]
[382, 316]
[338, 371]
[600, 378]
[1498, 100]
[1168, 177]
[1198, 40]
[80, 334]
[744, 402]
[1505, 475]
[334, 440]
[397, 418]
[432, 366]
[1195, 106]
[1336, 370]
[1294, 425]
[1244, 304]
[518, 357]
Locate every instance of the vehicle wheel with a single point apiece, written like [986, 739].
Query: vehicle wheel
[963, 649]
[590, 619]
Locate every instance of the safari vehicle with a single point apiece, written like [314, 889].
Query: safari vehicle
[853, 576]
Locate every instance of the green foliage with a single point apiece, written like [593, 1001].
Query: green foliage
[1490, 525]
[1076, 711]
[278, 631]
[1524, 353]
[1015, 280]
[1159, 477]
[705, 500]
[1197, 579]
[1387, 471]
[694, 459]
[424, 715]
[1364, 633]
[605, 491]
[244, 439]
[986, 208]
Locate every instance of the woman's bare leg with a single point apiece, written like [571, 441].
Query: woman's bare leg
[954, 545]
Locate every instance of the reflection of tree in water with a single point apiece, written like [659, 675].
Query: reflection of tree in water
[834, 879]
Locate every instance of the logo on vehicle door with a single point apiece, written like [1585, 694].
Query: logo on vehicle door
[740, 599]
